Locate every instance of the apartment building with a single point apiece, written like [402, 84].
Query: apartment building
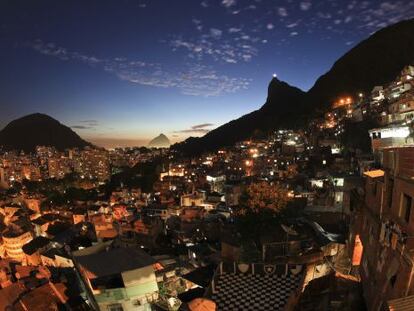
[386, 230]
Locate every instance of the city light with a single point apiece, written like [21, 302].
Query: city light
[267, 195]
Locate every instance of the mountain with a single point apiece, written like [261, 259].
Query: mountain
[39, 130]
[161, 141]
[281, 98]
[375, 61]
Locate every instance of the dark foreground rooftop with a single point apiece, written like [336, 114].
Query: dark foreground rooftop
[115, 261]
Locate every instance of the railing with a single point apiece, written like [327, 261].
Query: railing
[253, 269]
[286, 248]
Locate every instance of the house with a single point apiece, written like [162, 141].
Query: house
[104, 226]
[193, 199]
[334, 291]
[156, 210]
[390, 136]
[33, 249]
[56, 257]
[79, 215]
[46, 297]
[118, 278]
[192, 213]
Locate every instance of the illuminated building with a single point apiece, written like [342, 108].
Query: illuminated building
[93, 164]
[385, 226]
[58, 167]
[393, 136]
[14, 239]
[216, 182]
[193, 199]
[128, 285]
[174, 171]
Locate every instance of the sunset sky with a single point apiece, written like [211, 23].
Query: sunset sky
[121, 72]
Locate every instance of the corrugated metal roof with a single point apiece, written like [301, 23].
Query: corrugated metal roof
[401, 304]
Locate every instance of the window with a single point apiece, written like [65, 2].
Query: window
[393, 280]
[115, 307]
[406, 207]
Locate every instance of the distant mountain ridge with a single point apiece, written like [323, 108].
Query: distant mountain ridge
[255, 123]
[161, 141]
[39, 130]
[375, 61]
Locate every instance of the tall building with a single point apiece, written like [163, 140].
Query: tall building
[93, 164]
[386, 230]
[59, 166]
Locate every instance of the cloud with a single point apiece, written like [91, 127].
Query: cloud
[216, 33]
[236, 46]
[203, 125]
[305, 5]
[196, 21]
[366, 16]
[228, 3]
[282, 12]
[81, 127]
[292, 25]
[348, 19]
[198, 24]
[197, 129]
[90, 122]
[234, 29]
[86, 125]
[194, 79]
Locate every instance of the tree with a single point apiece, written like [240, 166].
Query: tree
[249, 252]
[261, 207]
[263, 196]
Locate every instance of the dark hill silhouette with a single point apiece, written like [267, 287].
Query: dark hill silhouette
[281, 96]
[375, 61]
[161, 141]
[39, 130]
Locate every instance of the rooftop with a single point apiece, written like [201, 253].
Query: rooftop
[103, 263]
[35, 244]
[401, 304]
[374, 174]
[264, 289]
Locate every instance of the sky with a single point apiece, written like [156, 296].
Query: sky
[121, 72]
